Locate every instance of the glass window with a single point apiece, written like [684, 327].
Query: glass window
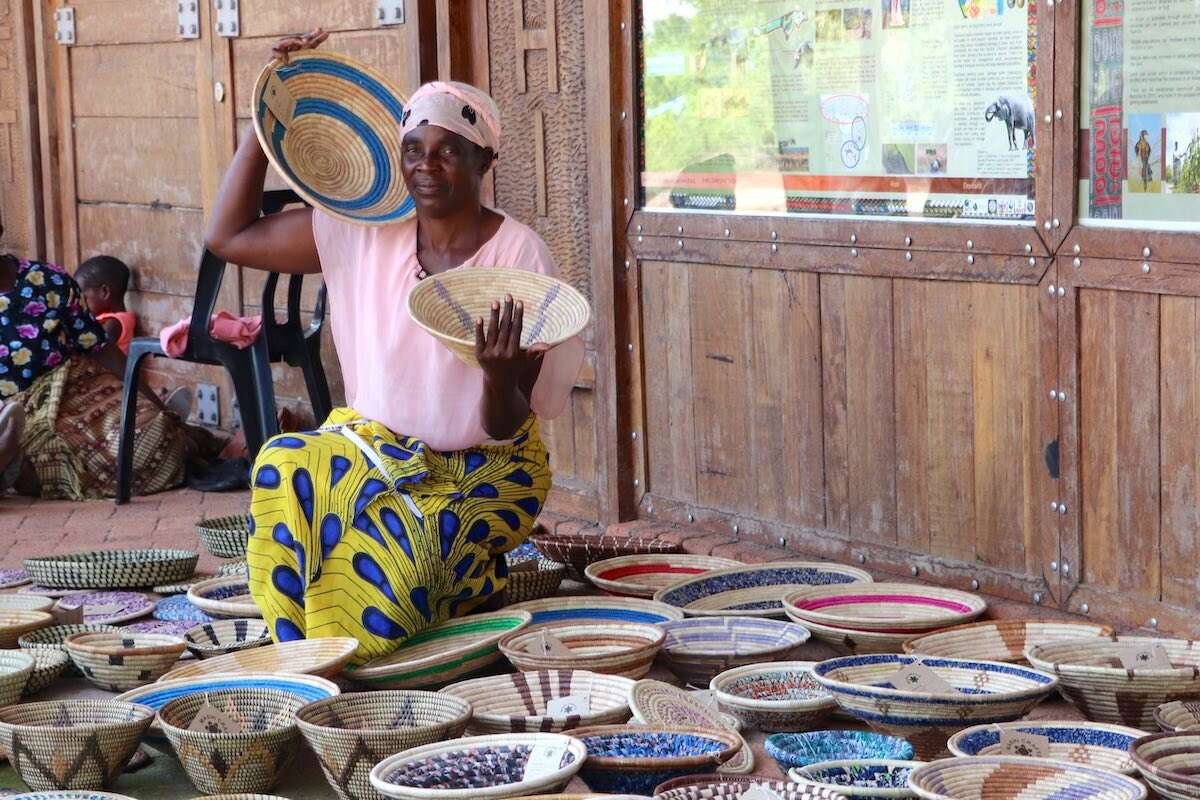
[1139, 110]
[916, 108]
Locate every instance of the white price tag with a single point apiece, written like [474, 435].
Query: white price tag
[103, 609]
[569, 706]
[212, 720]
[1145, 657]
[547, 644]
[1020, 743]
[706, 698]
[759, 792]
[543, 761]
[917, 677]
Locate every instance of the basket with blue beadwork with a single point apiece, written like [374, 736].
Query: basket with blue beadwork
[331, 127]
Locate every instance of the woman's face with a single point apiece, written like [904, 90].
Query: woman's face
[442, 170]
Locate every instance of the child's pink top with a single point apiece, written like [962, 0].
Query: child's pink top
[395, 372]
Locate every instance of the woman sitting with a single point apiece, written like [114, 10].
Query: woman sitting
[390, 518]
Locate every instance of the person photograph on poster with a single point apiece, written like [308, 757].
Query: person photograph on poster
[1181, 173]
[830, 27]
[895, 13]
[857, 22]
[1144, 172]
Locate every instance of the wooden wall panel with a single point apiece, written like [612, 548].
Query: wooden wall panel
[166, 250]
[20, 168]
[1179, 388]
[114, 81]
[138, 160]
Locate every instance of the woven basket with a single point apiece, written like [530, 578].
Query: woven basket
[234, 568]
[352, 733]
[211, 639]
[72, 744]
[1178, 715]
[644, 574]
[118, 662]
[573, 610]
[1170, 763]
[112, 569]
[1091, 743]
[779, 697]
[884, 607]
[252, 760]
[446, 305]
[322, 657]
[15, 623]
[626, 650]
[999, 639]
[182, 586]
[517, 702]
[723, 787]
[1092, 678]
[48, 667]
[225, 596]
[650, 755]
[660, 704]
[866, 778]
[351, 172]
[449, 771]
[797, 750]
[852, 642]
[52, 638]
[753, 590]
[442, 654]
[533, 580]
[984, 691]
[579, 550]
[990, 777]
[225, 537]
[25, 602]
[699, 649]
[15, 668]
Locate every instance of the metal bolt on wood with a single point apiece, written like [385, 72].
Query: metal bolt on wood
[691, 517]
[1154, 622]
[1058, 113]
[914, 571]
[1037, 598]
[854, 252]
[1033, 262]
[862, 558]
[1145, 252]
[774, 235]
[1046, 119]
[774, 248]
[975, 584]
[1054, 566]
[634, 435]
[727, 232]
[1061, 291]
[679, 230]
[854, 238]
[639, 228]
[1054, 505]
[623, 116]
[622, 26]
[1028, 248]
[970, 259]
[970, 244]
[1062, 508]
[736, 530]
[1075, 249]
[1055, 222]
[1066, 568]
[639, 240]
[680, 243]
[1084, 608]
[907, 241]
[627, 265]
[1050, 290]
[907, 256]
[1046, 224]
[636, 483]
[782, 542]
[1145, 268]
[629, 347]
[625, 201]
[1062, 396]
[1077, 263]
[1053, 394]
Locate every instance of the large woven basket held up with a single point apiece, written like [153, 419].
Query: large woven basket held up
[225, 537]
[447, 305]
[331, 126]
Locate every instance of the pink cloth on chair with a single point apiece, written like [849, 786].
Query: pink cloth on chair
[238, 331]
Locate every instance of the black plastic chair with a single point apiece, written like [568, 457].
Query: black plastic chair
[249, 369]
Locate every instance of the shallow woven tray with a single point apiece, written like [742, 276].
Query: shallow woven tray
[574, 610]
[1092, 678]
[72, 744]
[643, 575]
[322, 657]
[986, 777]
[1170, 763]
[210, 639]
[455, 755]
[859, 778]
[352, 733]
[25, 602]
[578, 550]
[112, 569]
[15, 623]
[533, 580]
[884, 607]
[999, 639]
[517, 702]
[627, 650]
[1094, 744]
[723, 787]
[852, 642]
[446, 305]
[225, 537]
[1178, 715]
[224, 596]
[796, 750]
[639, 774]
[110, 608]
[13, 577]
[442, 654]
[120, 661]
[48, 667]
[778, 697]
[753, 590]
[985, 691]
[252, 760]
[660, 704]
[699, 649]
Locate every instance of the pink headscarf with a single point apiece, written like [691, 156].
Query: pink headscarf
[457, 107]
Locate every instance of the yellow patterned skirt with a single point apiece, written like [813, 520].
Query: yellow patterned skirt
[360, 532]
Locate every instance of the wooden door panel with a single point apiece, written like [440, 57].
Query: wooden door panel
[167, 243]
[113, 81]
[138, 160]
[99, 22]
[274, 18]
[1179, 388]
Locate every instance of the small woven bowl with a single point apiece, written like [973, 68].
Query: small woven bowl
[644, 574]
[865, 778]
[1092, 743]
[699, 649]
[729, 787]
[779, 697]
[994, 777]
[16, 622]
[1170, 763]
[883, 607]
[26, 602]
[517, 702]
[252, 760]
[579, 550]
[804, 749]
[626, 650]
[210, 639]
[1178, 715]
[855, 642]
[1091, 676]
[634, 759]
[112, 569]
[999, 639]
[480, 767]
[15, 668]
[52, 638]
[48, 667]
[322, 657]
[446, 305]
[72, 744]
[225, 537]
[352, 733]
[533, 580]
[224, 596]
[120, 661]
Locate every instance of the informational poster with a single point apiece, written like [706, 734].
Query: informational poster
[916, 108]
[1140, 114]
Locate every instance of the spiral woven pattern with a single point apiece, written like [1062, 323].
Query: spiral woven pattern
[778, 697]
[554, 611]
[112, 569]
[210, 639]
[517, 702]
[700, 648]
[447, 305]
[225, 596]
[119, 661]
[341, 149]
[986, 777]
[1000, 639]
[884, 607]
[626, 650]
[225, 537]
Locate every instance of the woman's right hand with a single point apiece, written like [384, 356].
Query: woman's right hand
[285, 47]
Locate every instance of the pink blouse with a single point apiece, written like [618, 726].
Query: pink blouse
[396, 373]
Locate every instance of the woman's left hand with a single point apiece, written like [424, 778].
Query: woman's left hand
[499, 351]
